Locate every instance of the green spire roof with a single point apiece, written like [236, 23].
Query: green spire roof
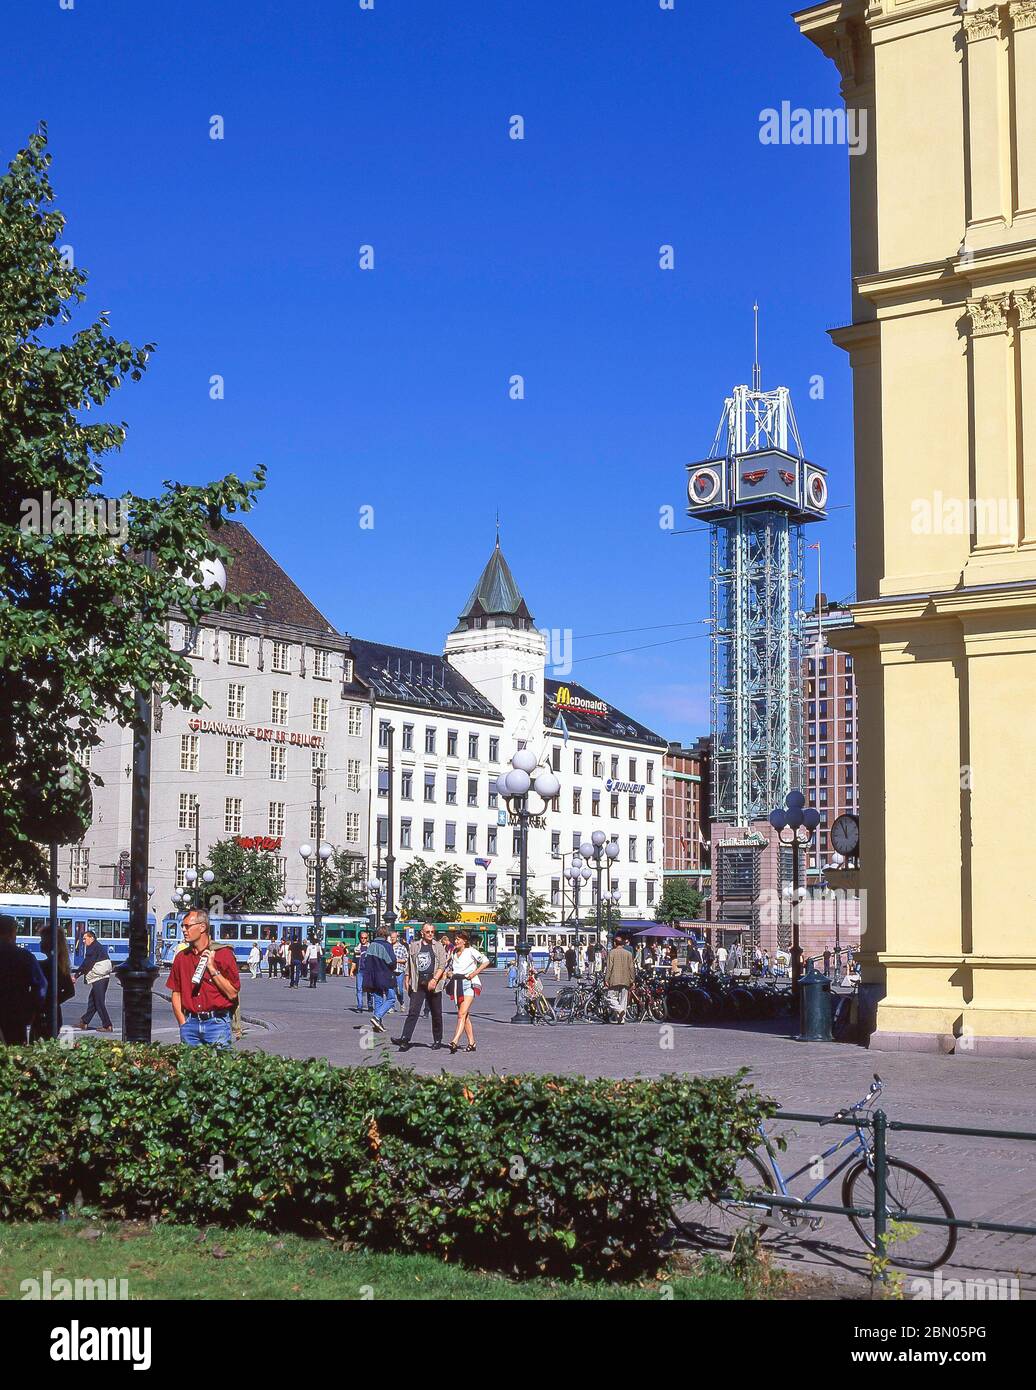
[495, 600]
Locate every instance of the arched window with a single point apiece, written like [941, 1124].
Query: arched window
[514, 681]
[523, 682]
[532, 682]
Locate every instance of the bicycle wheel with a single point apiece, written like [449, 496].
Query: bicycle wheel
[656, 1008]
[634, 1008]
[717, 1223]
[678, 1006]
[908, 1190]
[547, 1011]
[565, 1004]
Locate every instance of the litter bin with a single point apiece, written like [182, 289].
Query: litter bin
[814, 1006]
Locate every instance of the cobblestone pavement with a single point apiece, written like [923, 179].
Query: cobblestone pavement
[993, 1180]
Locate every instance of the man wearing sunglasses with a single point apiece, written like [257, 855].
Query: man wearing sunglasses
[205, 981]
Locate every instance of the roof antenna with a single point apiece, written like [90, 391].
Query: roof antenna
[757, 371]
[498, 528]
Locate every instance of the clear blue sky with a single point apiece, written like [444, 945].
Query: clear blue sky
[389, 388]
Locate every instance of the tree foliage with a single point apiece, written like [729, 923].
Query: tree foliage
[247, 880]
[342, 892]
[509, 911]
[680, 902]
[84, 600]
[429, 892]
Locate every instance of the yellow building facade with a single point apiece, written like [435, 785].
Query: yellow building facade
[943, 352]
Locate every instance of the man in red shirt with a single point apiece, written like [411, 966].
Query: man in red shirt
[205, 981]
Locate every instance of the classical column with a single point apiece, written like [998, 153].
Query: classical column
[994, 461]
[1025, 303]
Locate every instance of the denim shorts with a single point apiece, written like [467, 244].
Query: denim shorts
[211, 1032]
[462, 988]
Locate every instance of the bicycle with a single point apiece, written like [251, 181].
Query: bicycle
[535, 1004]
[646, 999]
[719, 1220]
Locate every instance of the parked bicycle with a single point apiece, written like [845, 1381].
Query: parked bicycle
[909, 1192]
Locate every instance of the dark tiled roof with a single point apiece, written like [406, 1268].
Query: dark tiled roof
[496, 595]
[253, 570]
[406, 677]
[613, 724]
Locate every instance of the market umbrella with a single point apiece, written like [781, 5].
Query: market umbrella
[661, 929]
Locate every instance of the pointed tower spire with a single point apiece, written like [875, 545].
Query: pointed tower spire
[496, 600]
[757, 371]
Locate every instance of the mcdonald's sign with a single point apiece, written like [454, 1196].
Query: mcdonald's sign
[564, 699]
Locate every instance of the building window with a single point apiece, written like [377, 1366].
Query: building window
[355, 719]
[352, 774]
[429, 786]
[383, 781]
[491, 888]
[79, 867]
[649, 808]
[649, 851]
[473, 746]
[238, 650]
[491, 839]
[650, 773]
[282, 874]
[408, 738]
[555, 843]
[184, 861]
[235, 701]
[188, 752]
[555, 892]
[319, 768]
[650, 891]
[188, 817]
[311, 880]
[451, 837]
[279, 708]
[276, 820]
[320, 708]
[383, 733]
[516, 841]
[555, 758]
[347, 669]
[494, 750]
[469, 889]
[428, 839]
[577, 840]
[472, 791]
[577, 801]
[232, 815]
[516, 885]
[633, 849]
[451, 789]
[577, 762]
[595, 803]
[405, 829]
[633, 769]
[429, 739]
[352, 827]
[235, 758]
[321, 664]
[279, 662]
[615, 806]
[598, 765]
[615, 765]
[633, 808]
[451, 743]
[406, 784]
[317, 832]
[633, 892]
[494, 795]
[278, 764]
[472, 839]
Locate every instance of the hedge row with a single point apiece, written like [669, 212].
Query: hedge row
[529, 1174]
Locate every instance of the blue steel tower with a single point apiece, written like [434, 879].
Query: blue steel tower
[757, 491]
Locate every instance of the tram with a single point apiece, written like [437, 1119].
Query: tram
[107, 918]
[241, 931]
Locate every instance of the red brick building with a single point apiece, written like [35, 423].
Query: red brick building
[685, 776]
[831, 763]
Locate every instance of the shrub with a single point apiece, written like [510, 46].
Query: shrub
[557, 1175]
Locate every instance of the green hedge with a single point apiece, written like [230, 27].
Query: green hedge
[528, 1174]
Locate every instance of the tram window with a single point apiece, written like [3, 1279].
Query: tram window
[93, 925]
[249, 931]
[123, 930]
[24, 928]
[509, 938]
[171, 931]
[268, 931]
[78, 928]
[227, 931]
[106, 930]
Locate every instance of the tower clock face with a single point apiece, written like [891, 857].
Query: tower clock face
[845, 835]
[818, 491]
[704, 486]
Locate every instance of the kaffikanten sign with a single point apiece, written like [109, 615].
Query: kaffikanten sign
[221, 726]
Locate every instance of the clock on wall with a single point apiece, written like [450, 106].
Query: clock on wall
[845, 836]
[704, 486]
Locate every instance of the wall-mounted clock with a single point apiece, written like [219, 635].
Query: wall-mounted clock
[845, 836]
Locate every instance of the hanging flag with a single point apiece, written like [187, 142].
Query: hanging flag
[483, 863]
[559, 723]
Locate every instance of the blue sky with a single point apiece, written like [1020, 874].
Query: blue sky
[388, 388]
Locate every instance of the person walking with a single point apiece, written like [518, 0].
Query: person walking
[312, 960]
[97, 967]
[359, 958]
[581, 959]
[571, 961]
[43, 1023]
[205, 982]
[619, 975]
[399, 950]
[22, 986]
[464, 986]
[721, 959]
[379, 972]
[255, 961]
[557, 956]
[425, 980]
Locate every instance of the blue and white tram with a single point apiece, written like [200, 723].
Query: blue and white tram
[107, 918]
[241, 931]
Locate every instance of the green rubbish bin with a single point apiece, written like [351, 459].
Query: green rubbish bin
[814, 1006]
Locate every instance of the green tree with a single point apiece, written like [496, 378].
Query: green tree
[84, 595]
[342, 892]
[246, 880]
[680, 902]
[509, 910]
[429, 892]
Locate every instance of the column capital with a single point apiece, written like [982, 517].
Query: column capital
[982, 24]
[989, 315]
[1025, 303]
[1022, 14]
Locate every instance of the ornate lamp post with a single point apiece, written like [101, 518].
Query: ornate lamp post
[602, 853]
[319, 857]
[376, 889]
[796, 824]
[577, 875]
[526, 776]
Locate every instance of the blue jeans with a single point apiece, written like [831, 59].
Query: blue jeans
[383, 1003]
[208, 1032]
[399, 987]
[359, 990]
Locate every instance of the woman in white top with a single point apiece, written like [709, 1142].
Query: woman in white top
[466, 964]
[255, 960]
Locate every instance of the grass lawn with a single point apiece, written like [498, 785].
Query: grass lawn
[178, 1262]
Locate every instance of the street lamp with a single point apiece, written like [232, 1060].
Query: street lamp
[319, 856]
[601, 852]
[526, 776]
[796, 824]
[376, 888]
[577, 875]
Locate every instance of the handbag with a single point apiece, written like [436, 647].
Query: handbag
[100, 970]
